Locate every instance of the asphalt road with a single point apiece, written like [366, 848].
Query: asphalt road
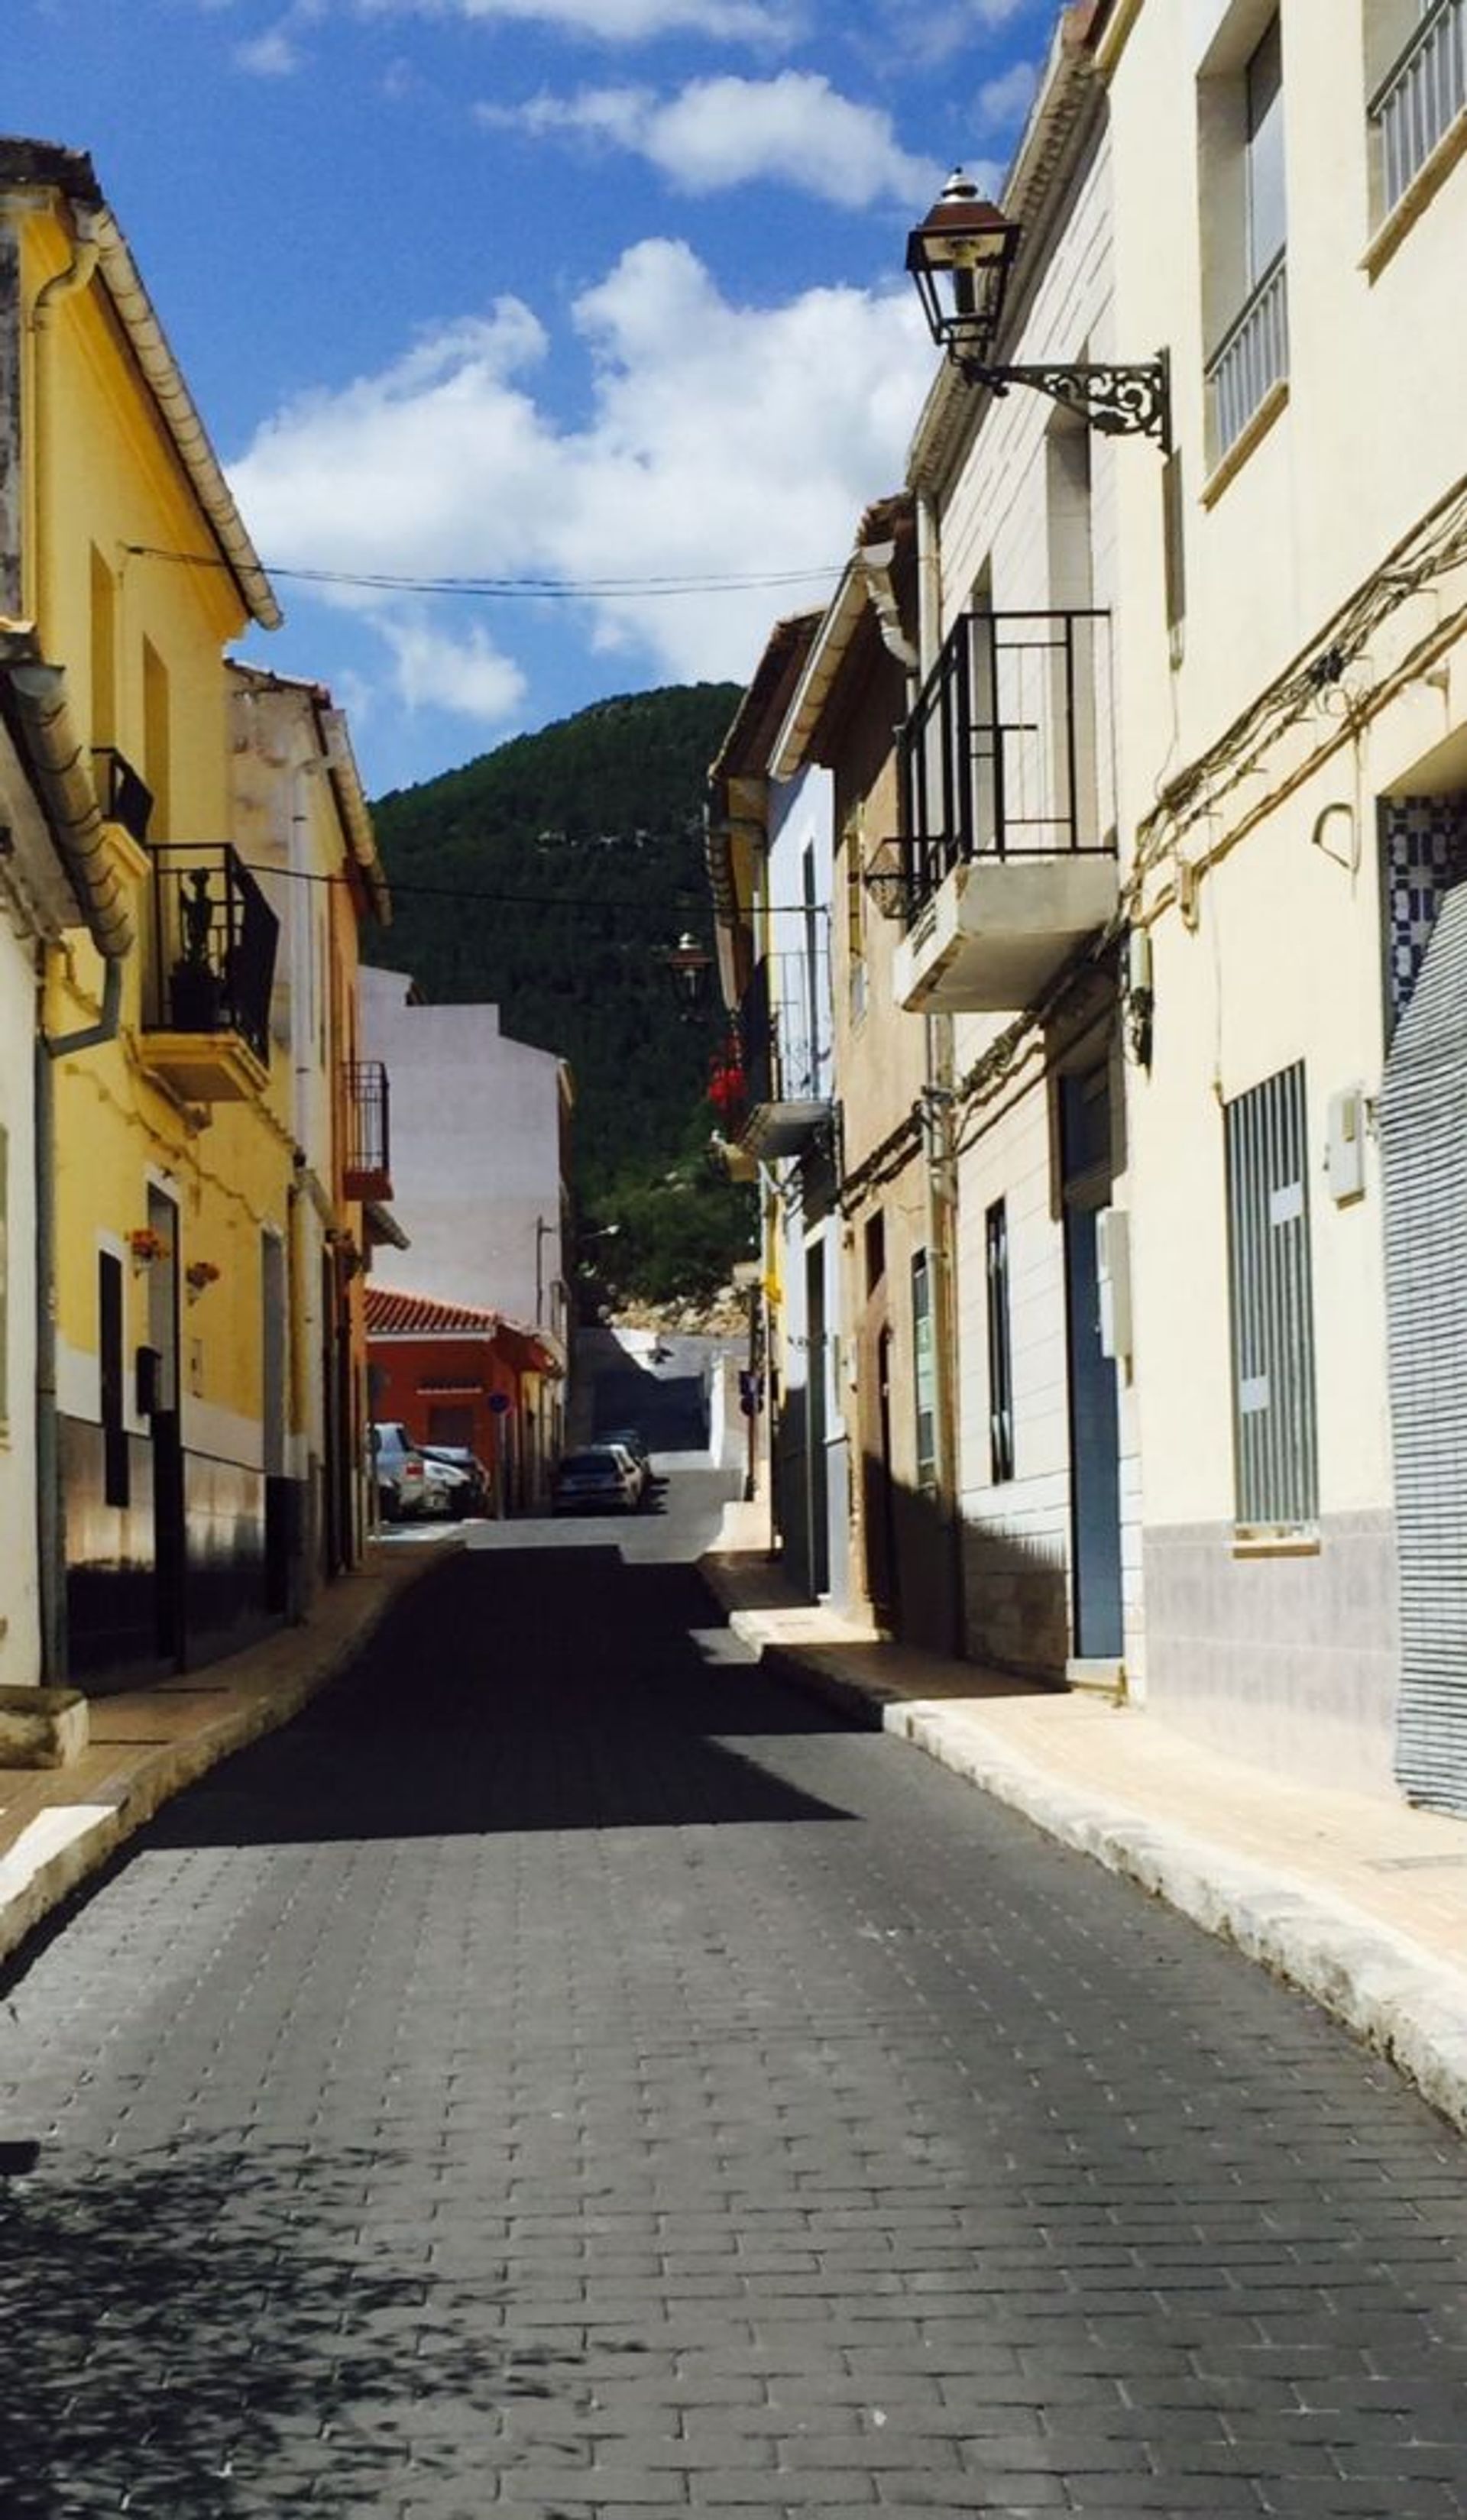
[565, 2075]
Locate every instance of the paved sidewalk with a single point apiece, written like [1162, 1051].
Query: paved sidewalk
[1359, 1902]
[60, 1825]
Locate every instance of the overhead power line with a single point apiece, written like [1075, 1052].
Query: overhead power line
[532, 590]
[679, 901]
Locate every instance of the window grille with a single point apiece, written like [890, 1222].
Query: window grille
[1275, 1442]
[924, 1379]
[1000, 1355]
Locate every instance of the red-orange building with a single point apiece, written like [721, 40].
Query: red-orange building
[463, 1374]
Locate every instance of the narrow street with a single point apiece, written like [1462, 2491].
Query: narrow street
[566, 2074]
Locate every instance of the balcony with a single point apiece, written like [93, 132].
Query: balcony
[1252, 358]
[784, 1036]
[367, 1168]
[1008, 795]
[1419, 99]
[211, 972]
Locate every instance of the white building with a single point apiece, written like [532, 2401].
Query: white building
[1294, 780]
[1009, 842]
[1184, 846]
[771, 858]
[480, 1137]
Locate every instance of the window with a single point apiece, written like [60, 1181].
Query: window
[104, 652]
[856, 918]
[1263, 153]
[1244, 225]
[924, 1372]
[1274, 1446]
[158, 740]
[876, 1251]
[1000, 1357]
[1417, 65]
[117, 1485]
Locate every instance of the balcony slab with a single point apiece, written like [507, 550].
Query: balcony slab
[998, 930]
[206, 1066]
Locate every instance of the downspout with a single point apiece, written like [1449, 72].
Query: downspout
[938, 1112]
[51, 1532]
[64, 789]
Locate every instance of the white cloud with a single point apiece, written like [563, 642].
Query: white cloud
[792, 129]
[722, 442]
[1003, 101]
[468, 676]
[618, 22]
[275, 55]
[939, 31]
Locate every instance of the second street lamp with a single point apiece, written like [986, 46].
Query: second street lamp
[960, 259]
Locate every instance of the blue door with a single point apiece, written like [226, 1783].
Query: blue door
[1095, 1422]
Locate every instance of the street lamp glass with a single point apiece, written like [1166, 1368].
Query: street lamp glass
[960, 259]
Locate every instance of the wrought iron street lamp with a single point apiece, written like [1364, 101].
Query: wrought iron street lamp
[688, 964]
[960, 259]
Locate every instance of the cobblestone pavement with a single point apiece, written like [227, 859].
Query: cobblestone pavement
[564, 2075]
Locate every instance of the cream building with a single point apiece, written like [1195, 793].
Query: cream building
[1293, 705]
[1183, 824]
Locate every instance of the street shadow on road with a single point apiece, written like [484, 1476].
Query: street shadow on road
[204, 2327]
[533, 1689]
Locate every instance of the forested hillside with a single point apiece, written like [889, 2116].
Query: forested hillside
[551, 877]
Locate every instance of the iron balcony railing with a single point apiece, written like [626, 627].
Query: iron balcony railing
[368, 1162]
[785, 1030]
[1009, 751]
[1420, 98]
[213, 940]
[1252, 358]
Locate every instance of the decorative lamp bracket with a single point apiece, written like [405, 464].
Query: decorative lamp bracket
[1129, 399]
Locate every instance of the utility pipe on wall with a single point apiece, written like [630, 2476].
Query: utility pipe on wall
[51, 1525]
[937, 1109]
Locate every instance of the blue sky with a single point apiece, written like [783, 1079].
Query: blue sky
[599, 296]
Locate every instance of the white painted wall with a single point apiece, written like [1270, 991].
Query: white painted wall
[475, 1147]
[1265, 923]
[1001, 524]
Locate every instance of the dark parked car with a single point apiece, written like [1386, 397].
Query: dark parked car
[600, 1480]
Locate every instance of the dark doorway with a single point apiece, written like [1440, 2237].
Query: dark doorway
[1094, 1421]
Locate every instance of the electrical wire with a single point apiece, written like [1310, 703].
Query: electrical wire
[542, 589]
[676, 901]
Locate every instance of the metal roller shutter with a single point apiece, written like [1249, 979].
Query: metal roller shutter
[1423, 1132]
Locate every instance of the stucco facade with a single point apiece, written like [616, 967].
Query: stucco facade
[479, 1174]
[167, 1370]
[1294, 685]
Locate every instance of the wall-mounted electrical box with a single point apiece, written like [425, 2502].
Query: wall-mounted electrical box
[1345, 1149]
[1113, 1277]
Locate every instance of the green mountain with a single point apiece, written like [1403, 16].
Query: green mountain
[551, 877]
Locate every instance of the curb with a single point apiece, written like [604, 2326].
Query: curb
[1410, 2010]
[66, 1844]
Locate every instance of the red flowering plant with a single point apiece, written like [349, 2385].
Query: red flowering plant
[727, 1085]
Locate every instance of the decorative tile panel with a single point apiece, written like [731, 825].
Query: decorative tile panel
[1425, 839]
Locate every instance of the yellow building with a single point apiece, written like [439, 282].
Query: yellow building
[170, 1437]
